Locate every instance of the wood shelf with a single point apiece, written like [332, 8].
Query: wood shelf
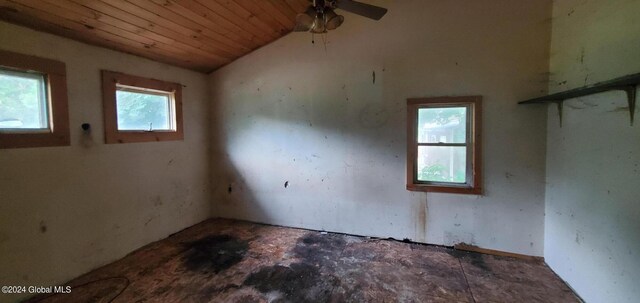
[627, 84]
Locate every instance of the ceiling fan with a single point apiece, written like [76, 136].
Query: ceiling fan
[321, 17]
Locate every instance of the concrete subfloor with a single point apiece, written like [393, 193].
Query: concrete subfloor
[232, 261]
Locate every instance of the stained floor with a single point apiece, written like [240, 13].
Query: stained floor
[231, 261]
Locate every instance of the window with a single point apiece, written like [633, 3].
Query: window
[24, 101]
[443, 144]
[138, 109]
[33, 102]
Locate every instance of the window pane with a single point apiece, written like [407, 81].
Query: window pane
[442, 163]
[143, 111]
[442, 125]
[23, 101]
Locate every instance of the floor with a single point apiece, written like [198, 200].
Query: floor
[231, 261]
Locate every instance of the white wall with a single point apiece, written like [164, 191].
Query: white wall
[66, 210]
[311, 115]
[592, 230]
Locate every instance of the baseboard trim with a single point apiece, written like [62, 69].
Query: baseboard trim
[473, 248]
[460, 246]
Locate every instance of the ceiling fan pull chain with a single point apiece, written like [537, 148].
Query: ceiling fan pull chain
[324, 42]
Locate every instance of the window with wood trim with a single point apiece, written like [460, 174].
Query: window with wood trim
[138, 109]
[443, 144]
[33, 102]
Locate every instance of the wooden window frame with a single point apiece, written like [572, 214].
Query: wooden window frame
[110, 80]
[474, 145]
[58, 105]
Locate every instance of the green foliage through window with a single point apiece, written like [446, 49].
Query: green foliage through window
[143, 111]
[435, 172]
[23, 102]
[441, 131]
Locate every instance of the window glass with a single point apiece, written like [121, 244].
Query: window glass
[138, 109]
[442, 164]
[442, 125]
[23, 101]
[143, 110]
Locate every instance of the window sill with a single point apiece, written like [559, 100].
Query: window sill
[445, 189]
[142, 136]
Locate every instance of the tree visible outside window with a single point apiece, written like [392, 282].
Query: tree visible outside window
[23, 101]
[144, 110]
[139, 109]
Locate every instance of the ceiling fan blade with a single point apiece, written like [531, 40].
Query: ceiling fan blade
[362, 9]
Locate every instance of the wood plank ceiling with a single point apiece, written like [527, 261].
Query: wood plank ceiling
[201, 35]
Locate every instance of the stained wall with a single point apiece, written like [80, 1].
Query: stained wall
[67, 210]
[592, 231]
[313, 135]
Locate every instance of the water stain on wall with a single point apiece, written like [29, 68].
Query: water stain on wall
[421, 221]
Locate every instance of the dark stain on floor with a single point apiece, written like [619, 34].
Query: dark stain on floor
[298, 282]
[474, 259]
[319, 249]
[233, 261]
[214, 253]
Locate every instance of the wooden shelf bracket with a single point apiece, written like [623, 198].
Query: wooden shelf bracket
[628, 84]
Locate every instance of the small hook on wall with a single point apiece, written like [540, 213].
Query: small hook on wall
[86, 140]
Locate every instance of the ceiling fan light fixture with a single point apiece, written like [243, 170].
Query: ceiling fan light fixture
[319, 25]
[320, 16]
[332, 20]
[304, 21]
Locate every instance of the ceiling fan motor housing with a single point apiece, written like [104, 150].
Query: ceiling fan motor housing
[319, 5]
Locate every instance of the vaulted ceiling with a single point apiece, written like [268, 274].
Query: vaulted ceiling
[201, 35]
